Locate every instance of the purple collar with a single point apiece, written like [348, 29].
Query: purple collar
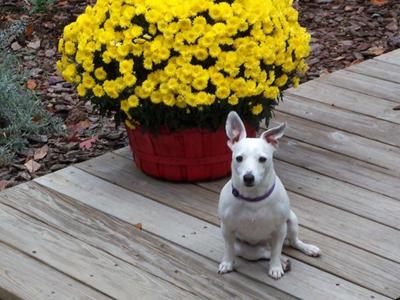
[236, 193]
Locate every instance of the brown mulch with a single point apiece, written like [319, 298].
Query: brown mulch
[343, 33]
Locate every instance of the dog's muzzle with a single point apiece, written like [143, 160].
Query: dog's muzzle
[248, 179]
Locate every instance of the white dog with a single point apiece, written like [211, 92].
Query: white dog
[254, 207]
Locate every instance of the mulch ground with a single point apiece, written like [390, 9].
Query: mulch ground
[343, 33]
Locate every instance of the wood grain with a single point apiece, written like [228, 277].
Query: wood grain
[392, 57]
[326, 260]
[340, 167]
[364, 84]
[154, 255]
[23, 277]
[340, 224]
[342, 142]
[378, 69]
[362, 202]
[81, 261]
[353, 101]
[365, 126]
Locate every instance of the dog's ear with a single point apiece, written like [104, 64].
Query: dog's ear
[235, 129]
[274, 134]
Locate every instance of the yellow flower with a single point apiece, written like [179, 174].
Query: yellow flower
[200, 83]
[88, 81]
[233, 100]
[153, 16]
[69, 72]
[156, 97]
[130, 124]
[169, 99]
[256, 110]
[81, 90]
[222, 92]
[100, 73]
[169, 53]
[296, 81]
[106, 57]
[111, 88]
[129, 103]
[201, 54]
[130, 79]
[281, 81]
[88, 65]
[148, 86]
[271, 92]
[185, 24]
[216, 12]
[126, 66]
[173, 84]
[60, 45]
[219, 29]
[98, 91]
[70, 48]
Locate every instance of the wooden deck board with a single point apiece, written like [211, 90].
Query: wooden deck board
[23, 277]
[359, 148]
[96, 268]
[340, 158]
[364, 84]
[365, 126]
[378, 69]
[139, 248]
[340, 167]
[128, 180]
[298, 180]
[192, 233]
[392, 57]
[352, 101]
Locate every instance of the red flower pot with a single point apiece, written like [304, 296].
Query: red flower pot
[186, 155]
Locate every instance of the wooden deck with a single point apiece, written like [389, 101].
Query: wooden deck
[74, 234]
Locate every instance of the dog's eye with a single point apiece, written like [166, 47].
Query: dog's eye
[239, 158]
[262, 159]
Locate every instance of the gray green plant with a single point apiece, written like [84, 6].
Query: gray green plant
[21, 113]
[8, 34]
[40, 5]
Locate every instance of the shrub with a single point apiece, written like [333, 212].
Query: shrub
[184, 63]
[21, 113]
[40, 5]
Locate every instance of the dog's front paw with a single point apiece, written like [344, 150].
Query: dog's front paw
[225, 267]
[276, 272]
[312, 250]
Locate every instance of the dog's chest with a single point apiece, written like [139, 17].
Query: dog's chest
[254, 225]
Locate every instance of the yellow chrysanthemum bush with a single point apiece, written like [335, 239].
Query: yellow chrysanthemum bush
[184, 63]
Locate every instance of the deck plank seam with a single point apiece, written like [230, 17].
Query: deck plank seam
[308, 98]
[91, 244]
[341, 180]
[370, 75]
[210, 189]
[337, 128]
[321, 79]
[348, 279]
[46, 264]
[296, 192]
[213, 224]
[384, 170]
[386, 61]
[143, 229]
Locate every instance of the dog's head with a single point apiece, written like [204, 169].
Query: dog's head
[251, 157]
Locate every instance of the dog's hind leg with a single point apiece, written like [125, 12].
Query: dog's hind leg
[293, 237]
[257, 252]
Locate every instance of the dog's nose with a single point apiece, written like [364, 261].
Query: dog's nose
[248, 179]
